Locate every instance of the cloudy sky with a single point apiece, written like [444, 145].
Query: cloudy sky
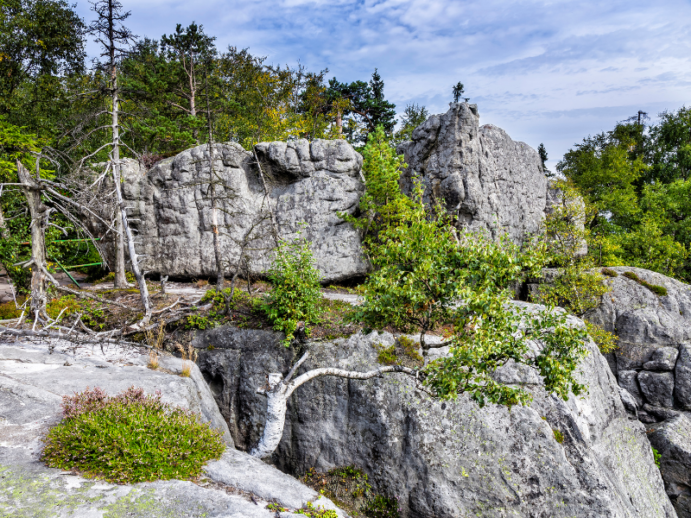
[545, 71]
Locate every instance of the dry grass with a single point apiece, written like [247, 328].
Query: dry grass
[189, 356]
[153, 360]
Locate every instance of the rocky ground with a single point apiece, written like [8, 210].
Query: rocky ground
[33, 380]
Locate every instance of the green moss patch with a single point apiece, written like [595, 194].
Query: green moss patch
[660, 291]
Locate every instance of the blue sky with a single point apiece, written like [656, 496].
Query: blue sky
[545, 71]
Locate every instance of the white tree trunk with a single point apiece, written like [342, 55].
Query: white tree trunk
[278, 391]
[120, 279]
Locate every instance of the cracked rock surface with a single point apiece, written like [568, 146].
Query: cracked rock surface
[443, 458]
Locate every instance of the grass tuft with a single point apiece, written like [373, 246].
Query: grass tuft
[609, 272]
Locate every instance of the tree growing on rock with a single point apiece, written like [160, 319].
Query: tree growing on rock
[426, 274]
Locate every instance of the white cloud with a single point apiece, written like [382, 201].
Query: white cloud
[591, 62]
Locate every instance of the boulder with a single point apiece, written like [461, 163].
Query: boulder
[662, 359]
[442, 459]
[672, 440]
[308, 185]
[657, 387]
[32, 380]
[682, 376]
[642, 320]
[486, 179]
[628, 380]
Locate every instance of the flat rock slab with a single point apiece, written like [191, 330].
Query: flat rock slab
[32, 383]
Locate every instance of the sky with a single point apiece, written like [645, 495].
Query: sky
[549, 72]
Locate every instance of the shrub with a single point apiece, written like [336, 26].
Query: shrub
[609, 272]
[8, 311]
[660, 291]
[382, 507]
[606, 341]
[128, 438]
[296, 293]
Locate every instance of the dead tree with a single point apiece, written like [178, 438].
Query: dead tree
[115, 38]
[40, 214]
[278, 390]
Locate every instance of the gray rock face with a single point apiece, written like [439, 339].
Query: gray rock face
[443, 459]
[654, 334]
[307, 183]
[672, 440]
[486, 179]
[662, 359]
[682, 377]
[657, 387]
[32, 383]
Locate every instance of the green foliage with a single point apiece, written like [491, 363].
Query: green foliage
[656, 457]
[606, 341]
[8, 311]
[413, 116]
[403, 352]
[382, 507]
[609, 272]
[296, 293]
[130, 438]
[366, 107]
[383, 203]
[195, 321]
[318, 511]
[661, 291]
[458, 90]
[558, 436]
[636, 179]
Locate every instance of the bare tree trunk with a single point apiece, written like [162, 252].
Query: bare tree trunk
[339, 123]
[120, 280]
[4, 232]
[125, 230]
[278, 391]
[39, 222]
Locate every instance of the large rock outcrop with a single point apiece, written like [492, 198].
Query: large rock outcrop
[33, 379]
[487, 180]
[443, 459]
[307, 183]
[653, 360]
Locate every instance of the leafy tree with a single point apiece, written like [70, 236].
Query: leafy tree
[191, 52]
[40, 40]
[366, 107]
[458, 92]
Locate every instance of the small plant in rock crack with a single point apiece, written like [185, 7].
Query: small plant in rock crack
[189, 356]
[382, 507]
[128, 438]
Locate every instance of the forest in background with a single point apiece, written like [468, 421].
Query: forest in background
[180, 90]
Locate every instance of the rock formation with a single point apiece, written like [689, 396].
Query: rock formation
[672, 440]
[485, 178]
[653, 358]
[306, 182]
[482, 176]
[443, 459]
[32, 381]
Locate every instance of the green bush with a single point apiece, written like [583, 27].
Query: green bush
[296, 293]
[656, 457]
[382, 507]
[606, 341]
[130, 438]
